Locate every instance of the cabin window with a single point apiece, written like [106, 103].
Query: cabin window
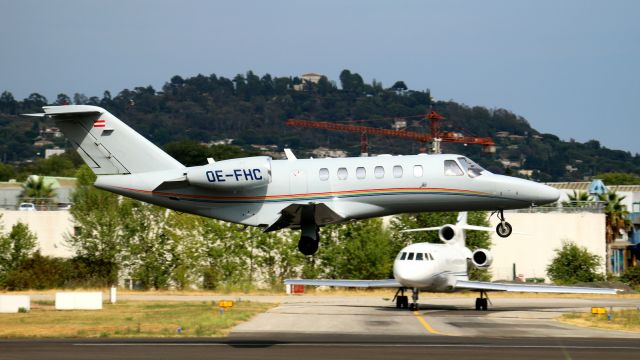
[397, 171]
[378, 172]
[410, 257]
[431, 256]
[403, 255]
[426, 256]
[324, 174]
[342, 173]
[361, 173]
[451, 168]
[419, 256]
[417, 171]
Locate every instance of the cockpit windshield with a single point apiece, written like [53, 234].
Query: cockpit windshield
[470, 167]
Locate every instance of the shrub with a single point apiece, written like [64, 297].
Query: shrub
[631, 276]
[574, 264]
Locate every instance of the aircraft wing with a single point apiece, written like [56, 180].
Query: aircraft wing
[489, 286]
[389, 283]
[291, 216]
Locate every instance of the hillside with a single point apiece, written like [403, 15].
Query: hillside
[252, 110]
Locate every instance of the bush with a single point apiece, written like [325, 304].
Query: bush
[44, 272]
[631, 276]
[574, 264]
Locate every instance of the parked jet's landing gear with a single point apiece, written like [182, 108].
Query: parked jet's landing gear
[482, 301]
[402, 301]
[504, 228]
[309, 240]
[414, 297]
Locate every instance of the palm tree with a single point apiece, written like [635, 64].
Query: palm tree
[35, 190]
[578, 199]
[617, 219]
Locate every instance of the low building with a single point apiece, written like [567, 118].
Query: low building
[537, 234]
[625, 250]
[50, 227]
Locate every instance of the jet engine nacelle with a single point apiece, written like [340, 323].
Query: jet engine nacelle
[448, 232]
[232, 174]
[481, 258]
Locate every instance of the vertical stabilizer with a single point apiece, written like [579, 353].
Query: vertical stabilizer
[107, 144]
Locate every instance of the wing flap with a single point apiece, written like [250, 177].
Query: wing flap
[388, 283]
[488, 286]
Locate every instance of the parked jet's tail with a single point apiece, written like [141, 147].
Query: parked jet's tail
[107, 144]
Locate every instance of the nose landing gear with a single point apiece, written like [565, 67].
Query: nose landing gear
[503, 229]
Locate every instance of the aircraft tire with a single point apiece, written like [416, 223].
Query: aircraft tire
[504, 230]
[308, 246]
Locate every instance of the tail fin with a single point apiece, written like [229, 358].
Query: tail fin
[107, 144]
[462, 218]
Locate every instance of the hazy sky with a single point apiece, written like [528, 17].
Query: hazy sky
[571, 68]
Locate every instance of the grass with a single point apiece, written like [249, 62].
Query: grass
[129, 319]
[628, 320]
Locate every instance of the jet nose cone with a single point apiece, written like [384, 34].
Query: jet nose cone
[546, 194]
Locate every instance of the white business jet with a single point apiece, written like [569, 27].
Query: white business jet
[444, 268]
[294, 193]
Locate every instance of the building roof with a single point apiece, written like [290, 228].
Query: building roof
[584, 186]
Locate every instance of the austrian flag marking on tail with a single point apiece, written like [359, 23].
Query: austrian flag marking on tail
[100, 123]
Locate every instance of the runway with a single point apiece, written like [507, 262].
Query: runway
[310, 347]
[367, 327]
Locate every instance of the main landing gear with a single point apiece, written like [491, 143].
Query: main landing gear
[309, 232]
[504, 228]
[402, 301]
[482, 301]
[309, 241]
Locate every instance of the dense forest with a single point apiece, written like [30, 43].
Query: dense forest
[252, 110]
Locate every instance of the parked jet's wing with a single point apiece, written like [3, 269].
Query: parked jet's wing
[489, 286]
[389, 283]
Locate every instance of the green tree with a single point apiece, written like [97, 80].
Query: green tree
[100, 221]
[152, 255]
[15, 248]
[574, 264]
[618, 178]
[7, 172]
[578, 199]
[358, 250]
[616, 220]
[37, 191]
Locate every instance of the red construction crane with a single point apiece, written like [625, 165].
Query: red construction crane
[435, 137]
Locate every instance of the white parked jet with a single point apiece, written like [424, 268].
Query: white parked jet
[293, 193]
[443, 268]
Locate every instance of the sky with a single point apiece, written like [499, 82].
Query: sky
[570, 67]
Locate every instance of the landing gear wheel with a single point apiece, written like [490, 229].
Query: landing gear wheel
[413, 307]
[308, 246]
[402, 302]
[504, 229]
[482, 303]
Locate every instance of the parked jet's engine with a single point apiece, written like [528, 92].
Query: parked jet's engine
[232, 174]
[448, 233]
[481, 258]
